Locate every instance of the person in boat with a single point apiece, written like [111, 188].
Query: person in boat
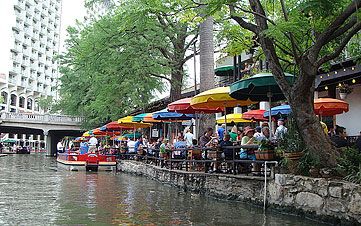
[60, 146]
[84, 147]
[93, 142]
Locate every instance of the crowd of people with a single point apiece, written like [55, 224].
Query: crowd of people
[210, 144]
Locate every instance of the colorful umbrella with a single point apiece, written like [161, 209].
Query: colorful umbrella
[113, 126]
[259, 87]
[224, 70]
[235, 118]
[127, 122]
[184, 106]
[255, 115]
[217, 97]
[166, 115]
[279, 110]
[140, 117]
[330, 106]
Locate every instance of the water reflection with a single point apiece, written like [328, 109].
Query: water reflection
[34, 192]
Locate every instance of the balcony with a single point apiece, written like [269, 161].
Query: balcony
[19, 26]
[20, 5]
[28, 20]
[18, 58]
[29, 31]
[27, 51]
[27, 41]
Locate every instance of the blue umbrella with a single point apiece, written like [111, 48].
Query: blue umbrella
[166, 115]
[279, 110]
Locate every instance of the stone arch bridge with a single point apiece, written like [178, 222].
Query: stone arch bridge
[53, 127]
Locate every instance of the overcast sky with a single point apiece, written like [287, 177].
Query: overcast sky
[72, 10]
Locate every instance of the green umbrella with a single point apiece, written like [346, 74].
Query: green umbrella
[133, 135]
[224, 70]
[9, 141]
[259, 87]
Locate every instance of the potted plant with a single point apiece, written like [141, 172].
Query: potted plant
[265, 150]
[343, 90]
[292, 145]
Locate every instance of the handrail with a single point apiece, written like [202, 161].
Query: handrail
[41, 117]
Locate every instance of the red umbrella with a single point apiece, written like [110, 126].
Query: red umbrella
[330, 106]
[115, 126]
[255, 115]
[184, 106]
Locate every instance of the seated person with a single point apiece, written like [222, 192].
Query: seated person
[131, 144]
[227, 152]
[247, 139]
[339, 139]
[180, 144]
[138, 146]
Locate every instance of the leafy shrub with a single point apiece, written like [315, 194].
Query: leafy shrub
[349, 165]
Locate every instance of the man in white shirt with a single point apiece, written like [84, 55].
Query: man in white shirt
[188, 137]
[93, 144]
[60, 147]
[281, 129]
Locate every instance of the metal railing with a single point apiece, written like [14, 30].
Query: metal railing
[209, 160]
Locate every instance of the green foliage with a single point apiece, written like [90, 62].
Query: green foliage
[292, 140]
[46, 103]
[349, 165]
[118, 62]
[308, 162]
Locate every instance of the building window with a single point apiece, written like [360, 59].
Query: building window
[36, 106]
[22, 102]
[13, 100]
[4, 96]
[29, 105]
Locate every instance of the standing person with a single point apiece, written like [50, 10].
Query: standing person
[60, 147]
[188, 136]
[93, 142]
[281, 129]
[84, 147]
[220, 132]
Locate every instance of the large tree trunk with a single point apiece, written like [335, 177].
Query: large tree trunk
[310, 129]
[176, 83]
[206, 68]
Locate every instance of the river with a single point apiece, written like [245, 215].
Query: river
[33, 191]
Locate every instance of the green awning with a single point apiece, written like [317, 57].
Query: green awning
[224, 70]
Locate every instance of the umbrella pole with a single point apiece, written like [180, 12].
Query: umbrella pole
[269, 94]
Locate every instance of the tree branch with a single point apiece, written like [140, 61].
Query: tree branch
[241, 22]
[342, 45]
[323, 38]
[160, 76]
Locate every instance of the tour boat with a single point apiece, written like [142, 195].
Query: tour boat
[87, 162]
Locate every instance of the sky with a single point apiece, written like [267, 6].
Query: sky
[71, 11]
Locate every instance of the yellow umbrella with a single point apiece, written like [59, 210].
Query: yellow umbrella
[217, 97]
[127, 122]
[236, 118]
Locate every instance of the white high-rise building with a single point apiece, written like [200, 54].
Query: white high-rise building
[29, 42]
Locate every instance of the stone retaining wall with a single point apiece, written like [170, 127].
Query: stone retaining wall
[335, 202]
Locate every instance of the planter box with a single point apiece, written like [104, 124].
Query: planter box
[265, 154]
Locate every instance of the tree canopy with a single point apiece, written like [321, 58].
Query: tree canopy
[116, 63]
[299, 35]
